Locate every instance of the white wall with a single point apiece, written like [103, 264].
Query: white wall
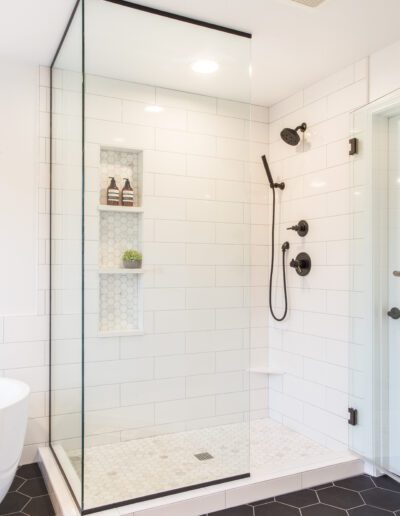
[19, 157]
[23, 233]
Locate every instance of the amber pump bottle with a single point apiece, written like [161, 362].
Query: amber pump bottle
[113, 193]
[127, 194]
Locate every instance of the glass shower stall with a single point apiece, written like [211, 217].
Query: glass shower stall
[150, 238]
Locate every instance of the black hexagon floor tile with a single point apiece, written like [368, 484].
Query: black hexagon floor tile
[275, 509]
[339, 497]
[322, 510]
[299, 498]
[382, 498]
[387, 483]
[33, 487]
[360, 483]
[16, 484]
[27, 495]
[367, 510]
[29, 471]
[262, 502]
[40, 506]
[13, 502]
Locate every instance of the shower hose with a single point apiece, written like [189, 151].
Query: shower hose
[285, 247]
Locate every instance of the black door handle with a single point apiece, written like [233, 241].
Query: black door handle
[394, 313]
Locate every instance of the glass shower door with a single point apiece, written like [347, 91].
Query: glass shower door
[374, 357]
[66, 254]
[393, 461]
[166, 343]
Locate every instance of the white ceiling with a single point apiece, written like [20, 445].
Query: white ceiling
[293, 46]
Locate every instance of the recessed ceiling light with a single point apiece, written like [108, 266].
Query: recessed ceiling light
[154, 109]
[309, 3]
[205, 66]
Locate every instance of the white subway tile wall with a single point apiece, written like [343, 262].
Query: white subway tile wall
[312, 346]
[189, 368]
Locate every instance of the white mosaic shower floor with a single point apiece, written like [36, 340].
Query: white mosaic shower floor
[132, 469]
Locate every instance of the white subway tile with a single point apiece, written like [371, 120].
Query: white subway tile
[326, 325]
[231, 148]
[164, 299]
[210, 384]
[152, 391]
[337, 153]
[234, 109]
[286, 106]
[119, 89]
[232, 360]
[214, 297]
[214, 254]
[184, 365]
[121, 135]
[164, 162]
[22, 354]
[118, 419]
[348, 98]
[181, 320]
[213, 211]
[184, 187]
[118, 371]
[331, 84]
[232, 403]
[215, 340]
[182, 410]
[232, 318]
[103, 108]
[25, 328]
[167, 118]
[189, 101]
[259, 114]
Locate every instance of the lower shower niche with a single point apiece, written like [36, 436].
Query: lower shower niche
[119, 304]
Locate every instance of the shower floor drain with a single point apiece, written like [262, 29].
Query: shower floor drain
[203, 456]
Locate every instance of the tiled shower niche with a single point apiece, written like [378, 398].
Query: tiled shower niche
[120, 311]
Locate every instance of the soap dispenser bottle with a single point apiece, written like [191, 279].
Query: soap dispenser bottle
[113, 193]
[127, 193]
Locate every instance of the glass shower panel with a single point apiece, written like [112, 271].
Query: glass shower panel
[66, 255]
[166, 342]
[374, 358]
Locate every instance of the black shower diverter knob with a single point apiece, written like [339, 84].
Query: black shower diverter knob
[302, 264]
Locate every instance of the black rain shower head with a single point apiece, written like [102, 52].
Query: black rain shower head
[291, 136]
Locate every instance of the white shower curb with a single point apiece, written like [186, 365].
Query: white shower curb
[207, 499]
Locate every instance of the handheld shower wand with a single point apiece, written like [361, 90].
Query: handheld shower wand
[285, 246]
[269, 175]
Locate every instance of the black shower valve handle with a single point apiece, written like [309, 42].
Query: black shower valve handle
[301, 228]
[301, 264]
[296, 264]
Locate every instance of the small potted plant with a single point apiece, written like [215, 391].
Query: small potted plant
[132, 259]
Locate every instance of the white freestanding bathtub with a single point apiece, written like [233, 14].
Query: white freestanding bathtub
[13, 419]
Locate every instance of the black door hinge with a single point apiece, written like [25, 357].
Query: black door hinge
[353, 146]
[353, 416]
